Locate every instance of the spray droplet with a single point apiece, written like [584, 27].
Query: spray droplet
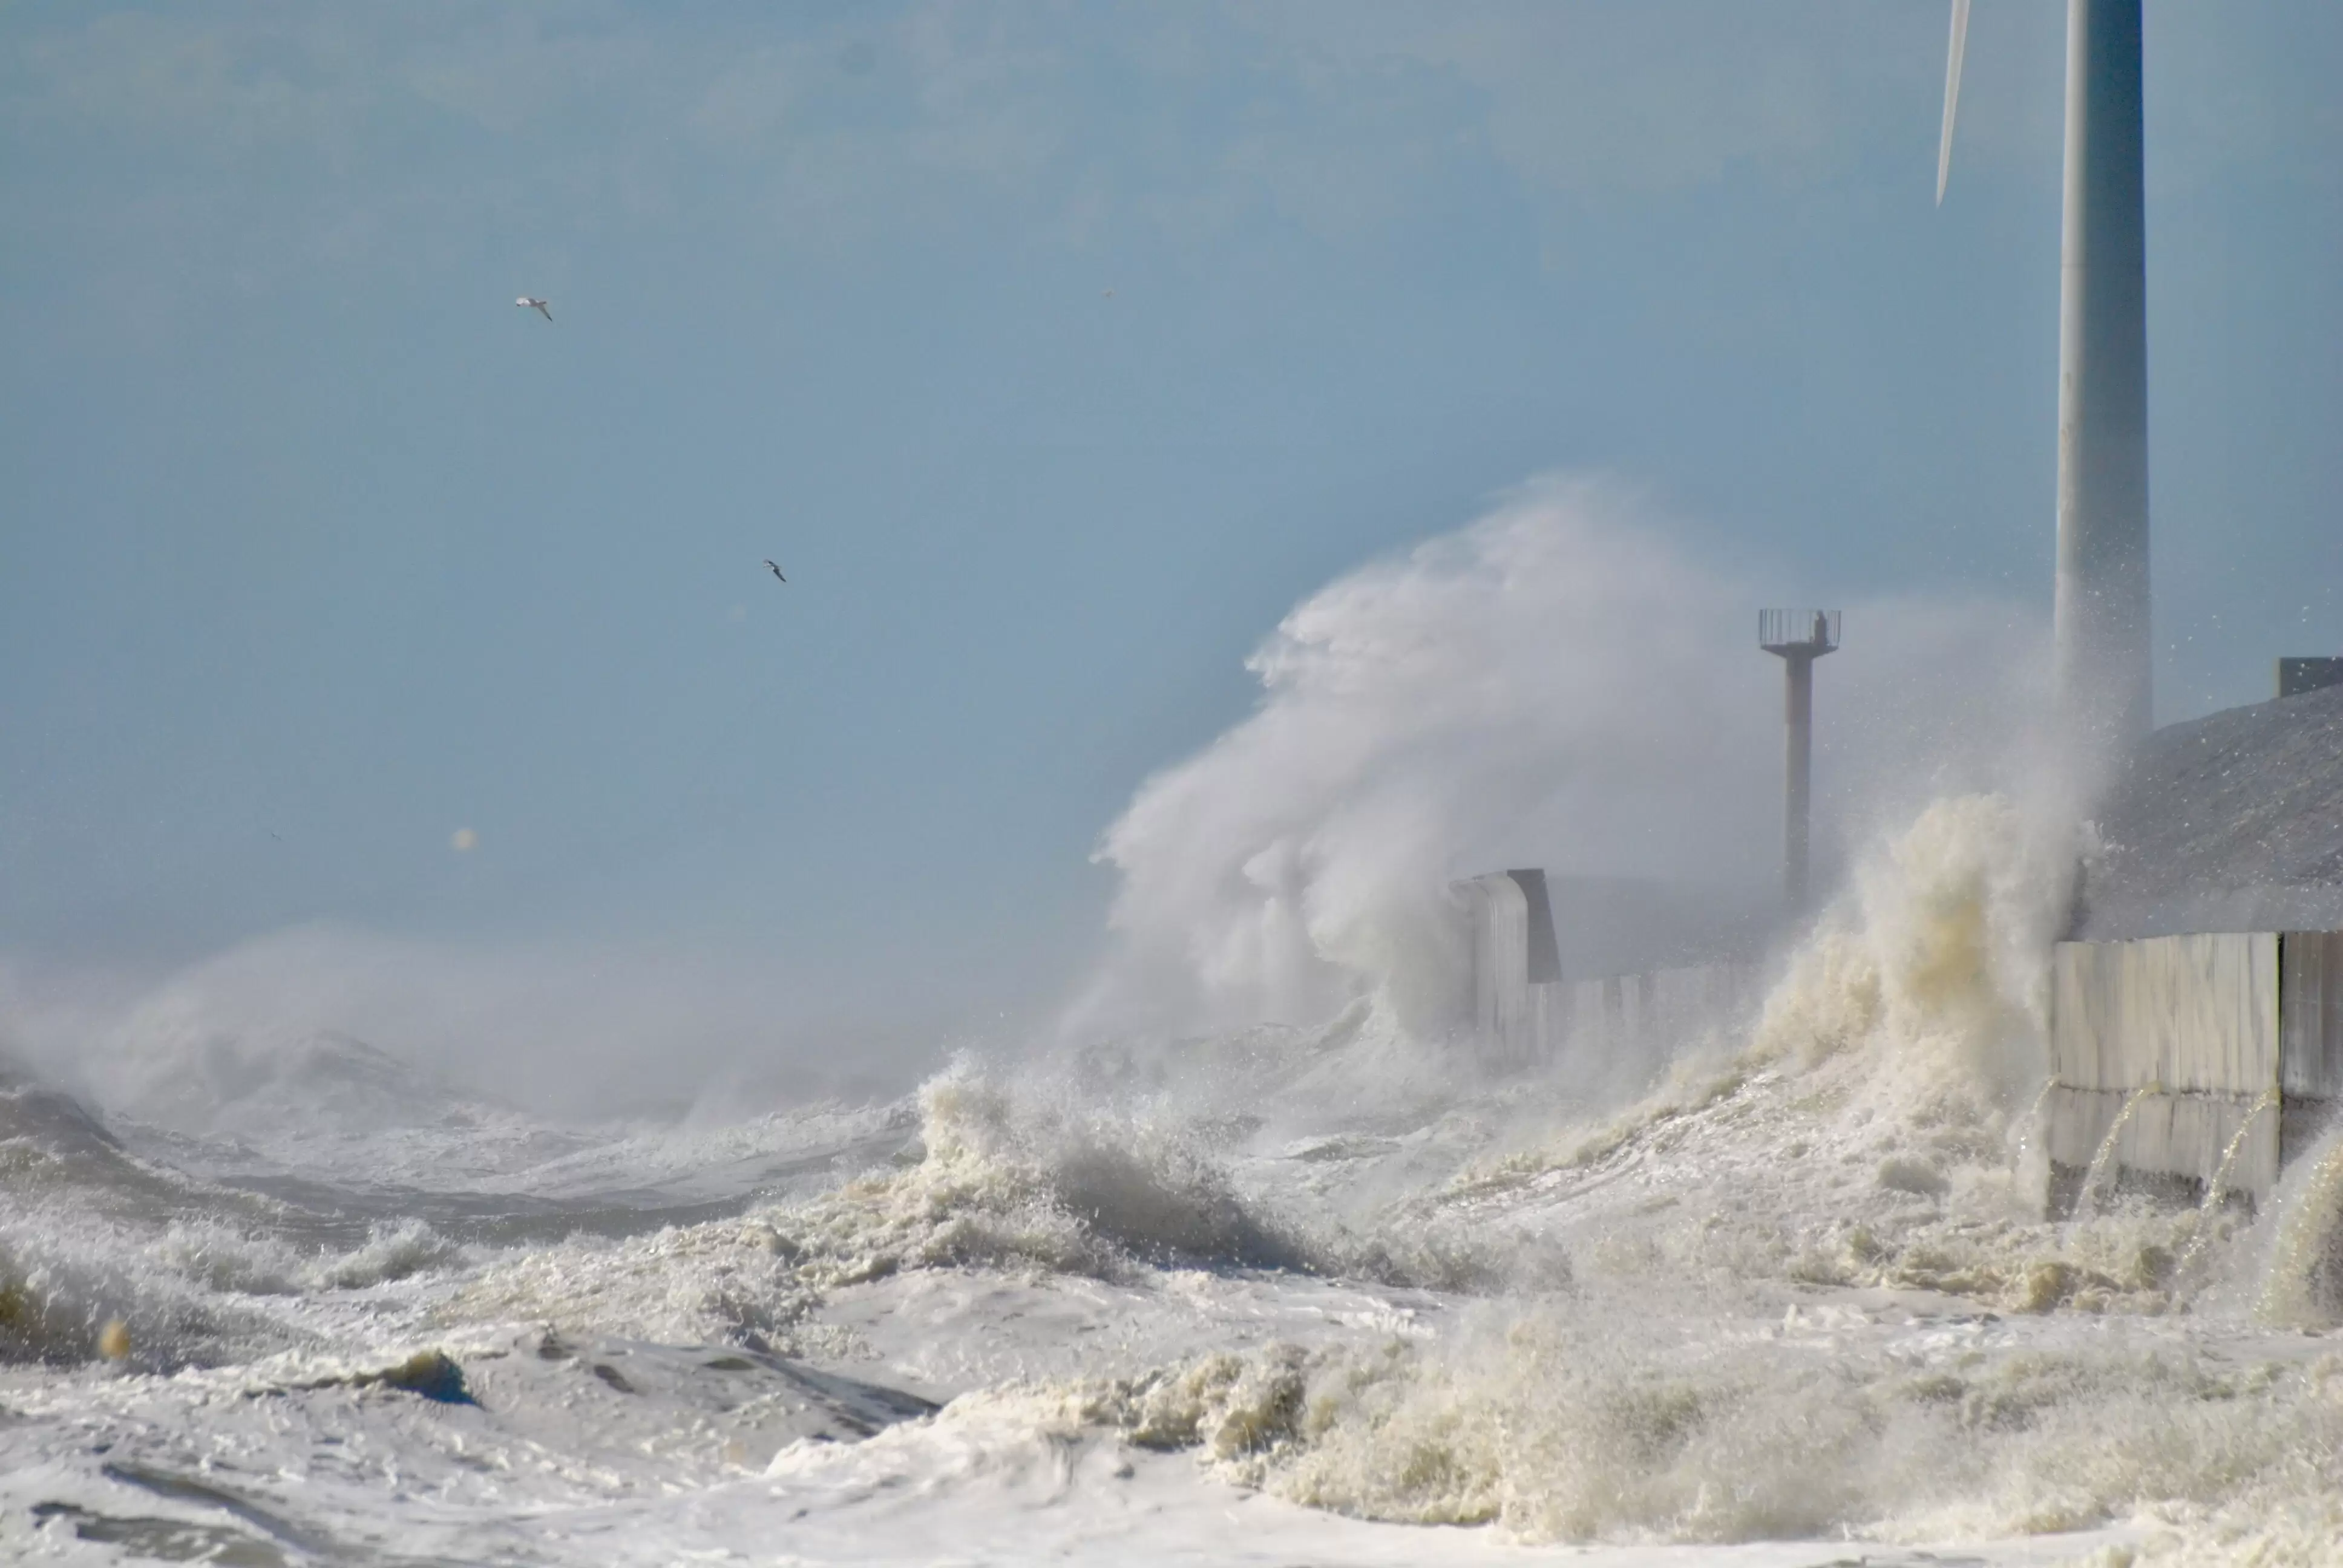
[113, 1341]
[465, 840]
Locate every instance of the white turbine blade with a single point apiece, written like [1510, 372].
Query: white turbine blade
[1952, 93]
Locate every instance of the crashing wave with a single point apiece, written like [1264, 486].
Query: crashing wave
[1556, 1427]
[1876, 1128]
[1004, 1182]
[726, 1281]
[1873, 1134]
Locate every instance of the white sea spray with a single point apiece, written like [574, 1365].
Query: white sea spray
[2303, 1279]
[1562, 1427]
[1570, 675]
[1865, 1138]
[724, 1281]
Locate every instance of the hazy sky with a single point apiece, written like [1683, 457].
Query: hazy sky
[1054, 350]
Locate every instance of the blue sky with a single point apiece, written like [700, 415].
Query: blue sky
[316, 549]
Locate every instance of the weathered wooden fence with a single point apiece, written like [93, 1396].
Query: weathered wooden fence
[2194, 1058]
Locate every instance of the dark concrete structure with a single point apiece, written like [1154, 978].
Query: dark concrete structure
[2232, 822]
[2197, 1020]
[1797, 638]
[2297, 676]
[2195, 1061]
[1527, 1010]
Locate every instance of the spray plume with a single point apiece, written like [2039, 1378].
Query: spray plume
[1562, 683]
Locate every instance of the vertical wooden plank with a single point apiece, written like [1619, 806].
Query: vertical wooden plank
[2299, 1008]
[2326, 1061]
[2198, 1015]
[2062, 1011]
[2310, 1012]
[2078, 1014]
[2138, 1042]
[2116, 985]
[2077, 1119]
[2329, 1072]
[2262, 1065]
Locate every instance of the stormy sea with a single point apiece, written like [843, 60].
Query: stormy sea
[1782, 1287]
[1281, 1295]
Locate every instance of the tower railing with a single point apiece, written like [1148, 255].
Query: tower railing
[1812, 632]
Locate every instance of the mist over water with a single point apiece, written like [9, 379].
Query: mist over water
[569, 1027]
[1256, 1213]
[1568, 681]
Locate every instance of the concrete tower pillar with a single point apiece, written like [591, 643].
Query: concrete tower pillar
[1797, 638]
[2105, 688]
[1798, 776]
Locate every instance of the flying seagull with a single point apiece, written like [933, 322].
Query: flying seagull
[775, 571]
[526, 303]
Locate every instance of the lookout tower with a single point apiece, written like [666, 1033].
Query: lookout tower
[1797, 638]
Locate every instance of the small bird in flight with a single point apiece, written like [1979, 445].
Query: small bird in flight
[775, 571]
[526, 303]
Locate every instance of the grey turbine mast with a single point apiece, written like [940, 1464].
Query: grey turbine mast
[2104, 681]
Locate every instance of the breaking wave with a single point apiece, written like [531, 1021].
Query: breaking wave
[1562, 1428]
[1001, 1181]
[1865, 1158]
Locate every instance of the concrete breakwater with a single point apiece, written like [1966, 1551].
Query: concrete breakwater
[2191, 1053]
[2178, 1064]
[1525, 1012]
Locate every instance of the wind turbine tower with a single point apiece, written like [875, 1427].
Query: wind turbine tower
[2104, 679]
